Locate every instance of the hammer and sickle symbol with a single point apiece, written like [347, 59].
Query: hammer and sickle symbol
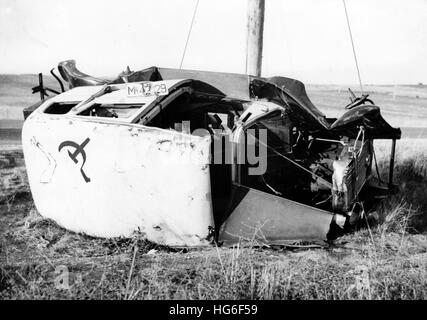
[73, 156]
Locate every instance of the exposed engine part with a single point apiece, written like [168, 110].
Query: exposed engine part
[350, 174]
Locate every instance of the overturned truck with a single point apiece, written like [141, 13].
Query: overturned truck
[188, 158]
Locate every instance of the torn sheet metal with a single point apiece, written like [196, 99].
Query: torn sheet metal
[263, 218]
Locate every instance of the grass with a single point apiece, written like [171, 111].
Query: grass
[411, 175]
[386, 260]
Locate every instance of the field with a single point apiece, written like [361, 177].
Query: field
[385, 259]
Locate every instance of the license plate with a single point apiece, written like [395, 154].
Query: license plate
[146, 89]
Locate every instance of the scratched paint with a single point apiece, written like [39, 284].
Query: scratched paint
[133, 184]
[47, 174]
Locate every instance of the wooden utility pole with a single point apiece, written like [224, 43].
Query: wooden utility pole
[255, 37]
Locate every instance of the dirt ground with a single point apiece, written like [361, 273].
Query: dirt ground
[40, 260]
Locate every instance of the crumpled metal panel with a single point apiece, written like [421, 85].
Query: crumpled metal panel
[368, 116]
[265, 218]
[282, 90]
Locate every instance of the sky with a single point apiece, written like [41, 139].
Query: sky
[303, 39]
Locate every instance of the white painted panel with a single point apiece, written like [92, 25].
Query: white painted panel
[138, 179]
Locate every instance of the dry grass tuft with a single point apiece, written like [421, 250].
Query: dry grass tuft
[395, 216]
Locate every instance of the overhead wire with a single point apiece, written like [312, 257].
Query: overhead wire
[189, 33]
[352, 45]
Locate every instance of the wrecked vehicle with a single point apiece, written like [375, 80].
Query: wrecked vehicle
[191, 157]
